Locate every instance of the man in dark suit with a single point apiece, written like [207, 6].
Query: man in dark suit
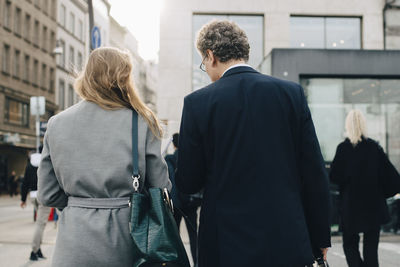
[248, 139]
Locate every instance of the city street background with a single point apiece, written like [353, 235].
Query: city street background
[16, 230]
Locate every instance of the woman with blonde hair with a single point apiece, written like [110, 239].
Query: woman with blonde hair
[357, 168]
[86, 163]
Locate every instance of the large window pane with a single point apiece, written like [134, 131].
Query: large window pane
[343, 33]
[307, 32]
[379, 99]
[325, 32]
[252, 25]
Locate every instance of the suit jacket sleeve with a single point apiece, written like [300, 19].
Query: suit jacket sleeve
[50, 192]
[191, 171]
[156, 168]
[315, 185]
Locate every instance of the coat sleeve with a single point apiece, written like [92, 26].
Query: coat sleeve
[191, 171]
[388, 176]
[156, 168]
[315, 185]
[337, 173]
[25, 184]
[50, 192]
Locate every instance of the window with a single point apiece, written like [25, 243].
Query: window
[330, 99]
[45, 6]
[80, 30]
[27, 27]
[16, 72]
[52, 41]
[52, 78]
[35, 72]
[71, 58]
[43, 83]
[25, 76]
[17, 21]
[70, 95]
[62, 15]
[79, 63]
[16, 112]
[252, 25]
[36, 36]
[62, 56]
[6, 59]
[72, 23]
[45, 39]
[61, 94]
[7, 14]
[53, 8]
[325, 32]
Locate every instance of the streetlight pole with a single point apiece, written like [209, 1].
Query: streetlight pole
[37, 125]
[91, 23]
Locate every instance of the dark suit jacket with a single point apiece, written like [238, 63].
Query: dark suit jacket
[249, 140]
[358, 172]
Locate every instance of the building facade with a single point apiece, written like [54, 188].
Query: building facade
[72, 48]
[28, 67]
[343, 53]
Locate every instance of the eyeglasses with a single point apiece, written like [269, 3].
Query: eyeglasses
[202, 66]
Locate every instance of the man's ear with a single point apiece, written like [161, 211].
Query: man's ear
[212, 57]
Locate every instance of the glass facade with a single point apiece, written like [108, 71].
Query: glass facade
[252, 25]
[325, 32]
[330, 99]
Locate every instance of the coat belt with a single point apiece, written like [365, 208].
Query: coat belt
[99, 203]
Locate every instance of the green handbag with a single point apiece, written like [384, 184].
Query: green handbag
[155, 235]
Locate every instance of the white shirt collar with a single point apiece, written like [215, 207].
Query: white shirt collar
[235, 66]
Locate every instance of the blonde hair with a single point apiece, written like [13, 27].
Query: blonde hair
[355, 126]
[107, 81]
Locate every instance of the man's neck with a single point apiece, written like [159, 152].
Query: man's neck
[226, 65]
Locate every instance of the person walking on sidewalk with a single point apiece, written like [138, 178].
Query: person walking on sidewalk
[248, 139]
[86, 168]
[12, 184]
[185, 205]
[358, 168]
[29, 185]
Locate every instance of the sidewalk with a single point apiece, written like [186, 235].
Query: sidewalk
[16, 231]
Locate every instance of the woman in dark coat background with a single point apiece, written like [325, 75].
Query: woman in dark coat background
[358, 169]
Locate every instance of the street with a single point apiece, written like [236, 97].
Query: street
[16, 230]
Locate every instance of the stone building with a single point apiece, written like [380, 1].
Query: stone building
[72, 39]
[28, 68]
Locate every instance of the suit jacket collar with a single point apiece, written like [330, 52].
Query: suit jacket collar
[237, 70]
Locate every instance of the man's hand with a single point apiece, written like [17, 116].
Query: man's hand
[23, 204]
[324, 252]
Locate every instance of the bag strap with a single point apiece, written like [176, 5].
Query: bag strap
[135, 153]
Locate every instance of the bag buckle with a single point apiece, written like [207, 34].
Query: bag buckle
[135, 182]
[168, 200]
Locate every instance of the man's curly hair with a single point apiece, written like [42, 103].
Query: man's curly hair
[225, 39]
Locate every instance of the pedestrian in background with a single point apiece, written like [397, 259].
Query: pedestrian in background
[86, 165]
[12, 184]
[357, 168]
[29, 185]
[248, 139]
[185, 205]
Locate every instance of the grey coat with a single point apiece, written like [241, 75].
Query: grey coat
[87, 153]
